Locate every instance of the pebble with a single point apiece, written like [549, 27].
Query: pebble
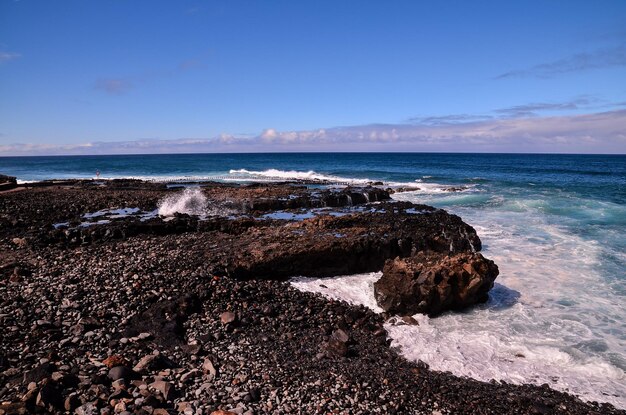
[227, 317]
[122, 372]
[208, 368]
[152, 300]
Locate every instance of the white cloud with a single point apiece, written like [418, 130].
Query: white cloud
[589, 133]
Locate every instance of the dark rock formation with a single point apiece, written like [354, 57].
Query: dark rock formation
[325, 246]
[7, 182]
[198, 309]
[350, 196]
[431, 283]
[165, 320]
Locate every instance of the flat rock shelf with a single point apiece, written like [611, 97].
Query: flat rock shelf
[106, 306]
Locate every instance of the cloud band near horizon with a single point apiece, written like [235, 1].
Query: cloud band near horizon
[603, 132]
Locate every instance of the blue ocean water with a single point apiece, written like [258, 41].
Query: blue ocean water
[589, 174]
[555, 225]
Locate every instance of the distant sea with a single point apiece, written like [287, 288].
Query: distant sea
[555, 224]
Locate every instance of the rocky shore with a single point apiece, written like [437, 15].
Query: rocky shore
[107, 307]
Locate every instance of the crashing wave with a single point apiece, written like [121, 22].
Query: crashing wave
[309, 176]
[190, 201]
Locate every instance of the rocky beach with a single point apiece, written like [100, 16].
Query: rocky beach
[113, 301]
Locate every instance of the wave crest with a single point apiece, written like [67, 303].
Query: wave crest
[190, 201]
[312, 176]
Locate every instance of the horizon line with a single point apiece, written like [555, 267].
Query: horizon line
[316, 152]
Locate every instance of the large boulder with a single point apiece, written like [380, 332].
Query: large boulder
[432, 282]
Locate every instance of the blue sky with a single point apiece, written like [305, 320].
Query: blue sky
[184, 76]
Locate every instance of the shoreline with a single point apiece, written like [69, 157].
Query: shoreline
[174, 280]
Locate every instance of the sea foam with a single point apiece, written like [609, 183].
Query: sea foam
[190, 201]
[281, 175]
[480, 348]
[553, 317]
[275, 175]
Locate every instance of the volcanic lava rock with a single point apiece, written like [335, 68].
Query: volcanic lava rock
[123, 372]
[360, 242]
[152, 362]
[7, 182]
[227, 317]
[151, 293]
[164, 320]
[337, 344]
[39, 373]
[431, 283]
[350, 196]
[50, 395]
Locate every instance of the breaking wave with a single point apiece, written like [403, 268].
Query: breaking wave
[311, 176]
[273, 175]
[473, 344]
[555, 315]
[190, 201]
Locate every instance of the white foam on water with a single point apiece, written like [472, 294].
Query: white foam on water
[485, 345]
[98, 222]
[354, 289]
[112, 213]
[272, 175]
[275, 174]
[551, 318]
[148, 178]
[190, 201]
[421, 188]
[123, 212]
[162, 178]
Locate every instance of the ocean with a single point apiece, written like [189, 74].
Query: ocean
[554, 224]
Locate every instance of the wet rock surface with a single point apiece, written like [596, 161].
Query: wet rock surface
[431, 283]
[196, 321]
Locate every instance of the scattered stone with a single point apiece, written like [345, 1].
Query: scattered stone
[410, 320]
[335, 348]
[144, 336]
[39, 373]
[227, 317]
[87, 409]
[71, 403]
[150, 290]
[255, 394]
[341, 335]
[49, 396]
[115, 360]
[194, 373]
[30, 395]
[17, 408]
[165, 388]
[123, 372]
[208, 368]
[20, 242]
[152, 362]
